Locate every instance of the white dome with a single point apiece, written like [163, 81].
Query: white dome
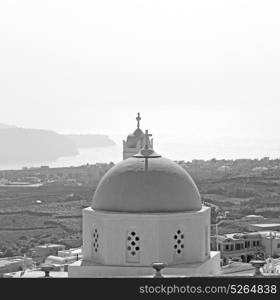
[164, 187]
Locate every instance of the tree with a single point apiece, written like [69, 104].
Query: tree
[23, 250]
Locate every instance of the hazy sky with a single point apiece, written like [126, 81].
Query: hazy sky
[195, 68]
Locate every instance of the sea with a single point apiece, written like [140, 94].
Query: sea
[175, 148]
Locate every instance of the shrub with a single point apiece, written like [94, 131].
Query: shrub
[9, 252]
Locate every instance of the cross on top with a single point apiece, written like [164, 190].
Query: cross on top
[146, 139]
[146, 151]
[138, 120]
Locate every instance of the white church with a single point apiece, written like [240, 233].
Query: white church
[146, 210]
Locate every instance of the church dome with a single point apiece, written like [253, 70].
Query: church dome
[163, 187]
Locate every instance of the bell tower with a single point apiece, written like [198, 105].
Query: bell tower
[135, 141]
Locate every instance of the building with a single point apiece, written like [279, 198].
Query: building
[146, 209]
[266, 226]
[246, 246]
[15, 263]
[271, 243]
[61, 262]
[64, 258]
[134, 142]
[253, 218]
[47, 249]
[239, 245]
[70, 252]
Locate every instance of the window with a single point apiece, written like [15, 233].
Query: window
[132, 246]
[278, 245]
[179, 244]
[95, 241]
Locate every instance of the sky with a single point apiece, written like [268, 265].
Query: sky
[194, 69]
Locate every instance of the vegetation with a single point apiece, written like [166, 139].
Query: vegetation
[58, 217]
[25, 224]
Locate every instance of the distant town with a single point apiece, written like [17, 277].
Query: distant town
[86, 175]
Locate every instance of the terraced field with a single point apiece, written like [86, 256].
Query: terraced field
[25, 223]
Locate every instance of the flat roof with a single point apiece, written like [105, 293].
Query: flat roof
[254, 216]
[49, 246]
[10, 260]
[266, 225]
[78, 250]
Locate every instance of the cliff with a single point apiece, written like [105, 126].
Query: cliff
[20, 144]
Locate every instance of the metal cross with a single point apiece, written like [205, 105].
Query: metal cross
[146, 147]
[146, 139]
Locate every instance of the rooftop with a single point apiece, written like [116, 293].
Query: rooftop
[9, 260]
[267, 225]
[49, 246]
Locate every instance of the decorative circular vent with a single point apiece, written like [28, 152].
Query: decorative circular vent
[179, 242]
[133, 243]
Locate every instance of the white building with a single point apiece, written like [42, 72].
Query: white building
[58, 261]
[253, 218]
[271, 243]
[47, 249]
[146, 209]
[15, 263]
[265, 226]
[70, 252]
[247, 245]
